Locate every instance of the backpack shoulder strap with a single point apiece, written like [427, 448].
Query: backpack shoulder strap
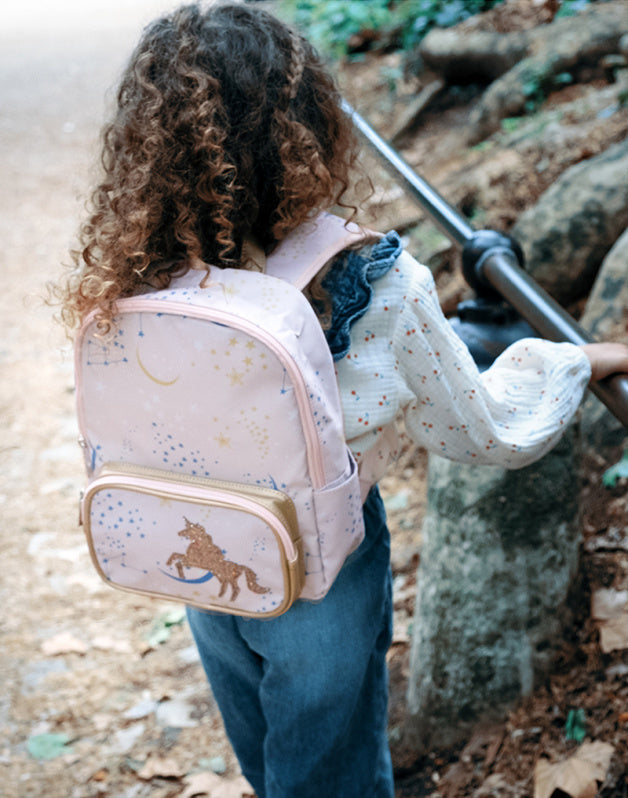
[307, 249]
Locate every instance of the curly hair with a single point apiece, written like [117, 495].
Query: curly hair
[227, 125]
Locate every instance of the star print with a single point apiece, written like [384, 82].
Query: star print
[235, 377]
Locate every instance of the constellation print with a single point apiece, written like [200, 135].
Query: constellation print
[175, 455]
[106, 354]
[115, 527]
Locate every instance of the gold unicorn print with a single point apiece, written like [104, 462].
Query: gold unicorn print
[203, 553]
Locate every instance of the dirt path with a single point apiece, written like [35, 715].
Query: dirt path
[117, 698]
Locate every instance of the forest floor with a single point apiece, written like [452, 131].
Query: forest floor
[102, 692]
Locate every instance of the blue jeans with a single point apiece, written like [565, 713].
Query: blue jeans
[304, 696]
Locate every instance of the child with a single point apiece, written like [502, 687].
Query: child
[228, 135]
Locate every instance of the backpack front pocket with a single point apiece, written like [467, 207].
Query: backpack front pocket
[220, 546]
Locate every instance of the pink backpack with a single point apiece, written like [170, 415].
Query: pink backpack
[218, 472]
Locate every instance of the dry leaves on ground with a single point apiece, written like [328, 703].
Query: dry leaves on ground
[578, 776]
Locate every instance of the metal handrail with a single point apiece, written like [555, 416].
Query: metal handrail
[498, 267]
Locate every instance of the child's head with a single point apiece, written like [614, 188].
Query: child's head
[227, 125]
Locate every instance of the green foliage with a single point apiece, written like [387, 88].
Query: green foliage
[575, 727]
[537, 84]
[161, 627]
[390, 75]
[616, 472]
[414, 18]
[570, 7]
[511, 123]
[330, 24]
[48, 746]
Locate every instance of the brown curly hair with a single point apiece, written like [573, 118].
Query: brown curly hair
[227, 125]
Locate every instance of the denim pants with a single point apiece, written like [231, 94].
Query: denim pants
[304, 696]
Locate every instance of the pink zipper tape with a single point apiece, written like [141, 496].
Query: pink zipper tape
[207, 495]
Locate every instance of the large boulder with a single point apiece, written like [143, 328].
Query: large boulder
[499, 555]
[567, 234]
[462, 57]
[565, 46]
[606, 318]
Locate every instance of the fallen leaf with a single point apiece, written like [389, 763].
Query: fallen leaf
[200, 784]
[177, 713]
[610, 609]
[123, 740]
[238, 788]
[141, 710]
[614, 634]
[47, 746]
[166, 768]
[607, 603]
[105, 643]
[216, 787]
[577, 776]
[63, 643]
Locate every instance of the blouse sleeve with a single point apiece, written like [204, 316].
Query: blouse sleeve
[509, 415]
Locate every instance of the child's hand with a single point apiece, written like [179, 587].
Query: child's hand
[606, 359]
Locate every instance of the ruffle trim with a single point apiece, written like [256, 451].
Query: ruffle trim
[348, 283]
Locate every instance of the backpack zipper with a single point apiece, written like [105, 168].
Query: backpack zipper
[175, 308]
[144, 480]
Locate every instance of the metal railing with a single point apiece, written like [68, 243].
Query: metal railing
[495, 265]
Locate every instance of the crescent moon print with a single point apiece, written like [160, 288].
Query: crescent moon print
[205, 578]
[151, 376]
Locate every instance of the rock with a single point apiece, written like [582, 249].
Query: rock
[500, 552]
[462, 57]
[567, 44]
[605, 312]
[605, 318]
[570, 230]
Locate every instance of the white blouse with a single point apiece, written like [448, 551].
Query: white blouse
[405, 359]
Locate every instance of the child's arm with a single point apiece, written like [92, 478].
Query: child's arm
[606, 359]
[511, 414]
[405, 355]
